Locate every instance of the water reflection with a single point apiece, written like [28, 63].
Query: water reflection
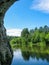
[30, 58]
[26, 55]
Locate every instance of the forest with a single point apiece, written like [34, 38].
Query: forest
[28, 38]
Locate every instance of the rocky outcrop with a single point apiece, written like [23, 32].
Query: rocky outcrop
[5, 48]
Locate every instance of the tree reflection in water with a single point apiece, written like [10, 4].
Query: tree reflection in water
[36, 52]
[26, 55]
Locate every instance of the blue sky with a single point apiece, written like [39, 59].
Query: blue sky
[27, 14]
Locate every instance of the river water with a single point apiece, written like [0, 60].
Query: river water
[29, 58]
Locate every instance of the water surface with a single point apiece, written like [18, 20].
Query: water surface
[29, 58]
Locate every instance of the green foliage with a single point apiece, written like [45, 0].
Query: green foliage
[25, 32]
[47, 37]
[28, 38]
[35, 37]
[13, 41]
[42, 44]
[42, 36]
[46, 29]
[31, 31]
[40, 29]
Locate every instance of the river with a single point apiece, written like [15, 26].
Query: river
[29, 58]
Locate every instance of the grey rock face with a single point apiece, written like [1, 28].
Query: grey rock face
[5, 48]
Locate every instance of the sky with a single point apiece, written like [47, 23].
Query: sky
[26, 14]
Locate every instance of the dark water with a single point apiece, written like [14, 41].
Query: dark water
[29, 58]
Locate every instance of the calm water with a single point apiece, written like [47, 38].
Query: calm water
[29, 58]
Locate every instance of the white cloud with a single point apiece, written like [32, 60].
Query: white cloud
[14, 32]
[41, 5]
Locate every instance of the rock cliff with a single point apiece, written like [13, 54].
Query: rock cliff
[5, 48]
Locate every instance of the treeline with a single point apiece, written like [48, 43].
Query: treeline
[37, 36]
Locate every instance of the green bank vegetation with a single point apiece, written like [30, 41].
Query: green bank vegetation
[30, 38]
